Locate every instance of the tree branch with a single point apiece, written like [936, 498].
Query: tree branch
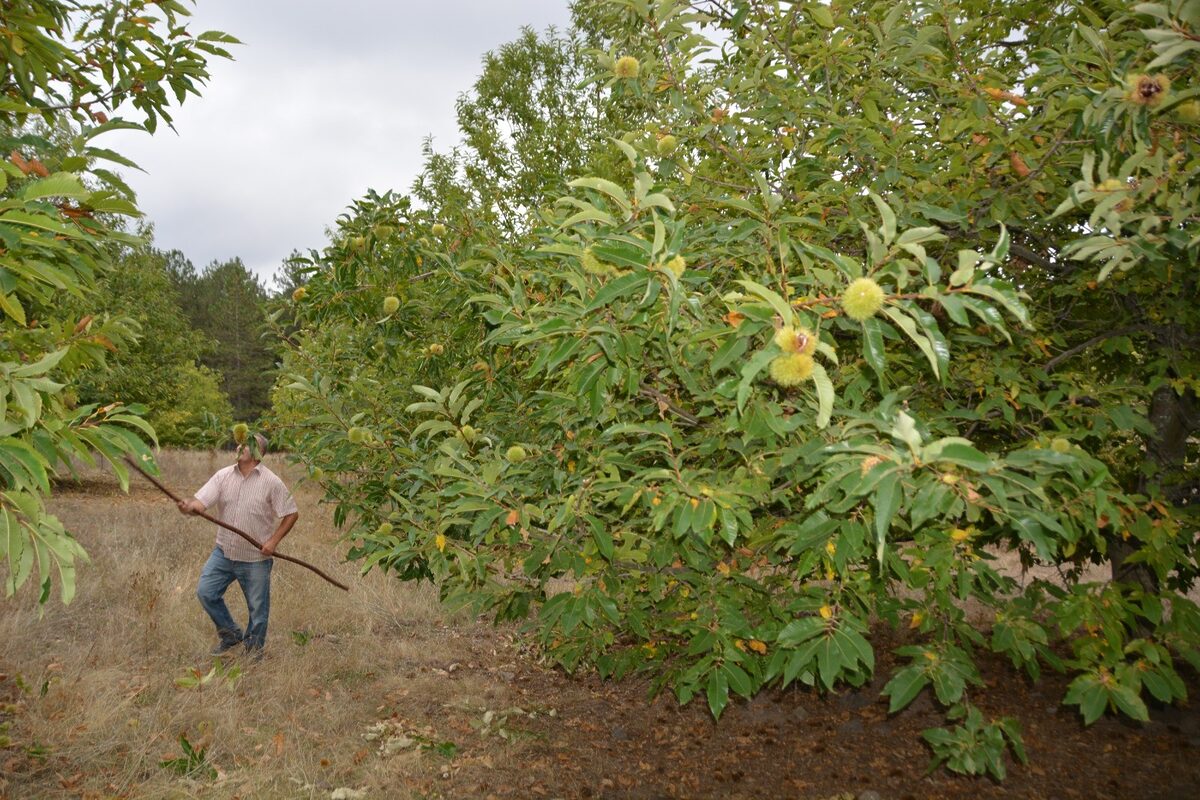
[1079, 348]
[664, 402]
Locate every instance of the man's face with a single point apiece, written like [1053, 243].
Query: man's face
[243, 454]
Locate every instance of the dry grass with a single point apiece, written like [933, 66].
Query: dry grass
[95, 704]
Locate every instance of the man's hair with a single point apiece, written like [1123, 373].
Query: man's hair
[262, 445]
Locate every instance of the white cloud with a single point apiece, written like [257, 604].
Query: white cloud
[323, 102]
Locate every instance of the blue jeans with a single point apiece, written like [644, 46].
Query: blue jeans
[255, 579]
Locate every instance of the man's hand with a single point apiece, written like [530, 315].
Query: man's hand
[268, 547]
[189, 506]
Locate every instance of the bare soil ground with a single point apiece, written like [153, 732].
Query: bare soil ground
[381, 692]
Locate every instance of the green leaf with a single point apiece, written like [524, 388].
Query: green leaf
[821, 15]
[627, 149]
[873, 350]
[718, 692]
[948, 683]
[60, 184]
[773, 299]
[42, 365]
[738, 680]
[825, 395]
[905, 429]
[13, 308]
[39, 221]
[733, 349]
[967, 259]
[617, 288]
[941, 349]
[1128, 702]
[606, 187]
[749, 372]
[888, 494]
[829, 661]
[888, 229]
[1003, 294]
[1089, 694]
[920, 235]
[907, 325]
[799, 631]
[602, 537]
[956, 451]
[904, 686]
[853, 642]
[588, 215]
[1003, 242]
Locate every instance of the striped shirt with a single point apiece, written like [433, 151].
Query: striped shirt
[254, 503]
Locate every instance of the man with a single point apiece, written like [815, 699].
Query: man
[252, 498]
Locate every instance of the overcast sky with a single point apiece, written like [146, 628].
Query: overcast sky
[323, 101]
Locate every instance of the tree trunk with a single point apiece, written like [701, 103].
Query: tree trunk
[1174, 418]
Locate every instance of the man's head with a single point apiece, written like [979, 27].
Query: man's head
[252, 451]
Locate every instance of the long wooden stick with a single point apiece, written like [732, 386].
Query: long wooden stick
[231, 528]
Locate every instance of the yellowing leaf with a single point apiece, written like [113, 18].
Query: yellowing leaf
[1018, 164]
[440, 541]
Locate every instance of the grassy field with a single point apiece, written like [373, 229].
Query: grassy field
[99, 692]
[380, 693]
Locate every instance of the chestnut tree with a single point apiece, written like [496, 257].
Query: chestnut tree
[850, 299]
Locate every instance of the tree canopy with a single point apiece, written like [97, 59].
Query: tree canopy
[162, 369]
[842, 301]
[69, 73]
[226, 302]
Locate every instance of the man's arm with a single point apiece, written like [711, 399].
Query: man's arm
[210, 491]
[190, 506]
[285, 525]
